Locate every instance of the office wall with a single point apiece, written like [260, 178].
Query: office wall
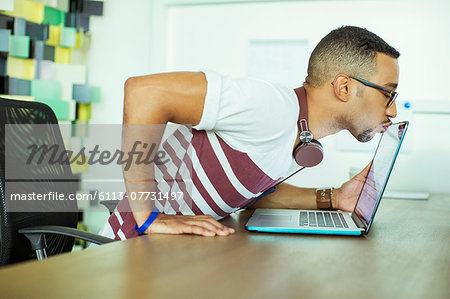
[140, 37]
[120, 48]
[207, 36]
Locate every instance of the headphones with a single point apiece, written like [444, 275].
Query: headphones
[309, 152]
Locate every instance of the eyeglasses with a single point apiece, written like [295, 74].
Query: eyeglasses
[393, 94]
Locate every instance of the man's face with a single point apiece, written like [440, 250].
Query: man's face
[372, 115]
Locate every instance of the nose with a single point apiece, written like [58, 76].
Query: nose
[391, 111]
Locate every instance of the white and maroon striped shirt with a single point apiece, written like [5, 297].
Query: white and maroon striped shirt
[241, 147]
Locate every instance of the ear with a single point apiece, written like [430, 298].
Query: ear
[341, 87]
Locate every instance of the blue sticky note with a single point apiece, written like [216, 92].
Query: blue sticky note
[81, 93]
[4, 40]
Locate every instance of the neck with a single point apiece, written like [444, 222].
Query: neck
[322, 113]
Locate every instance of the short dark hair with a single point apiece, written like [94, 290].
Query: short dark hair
[347, 49]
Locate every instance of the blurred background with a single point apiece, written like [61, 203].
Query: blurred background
[76, 55]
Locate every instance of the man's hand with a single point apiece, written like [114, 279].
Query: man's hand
[345, 197]
[204, 225]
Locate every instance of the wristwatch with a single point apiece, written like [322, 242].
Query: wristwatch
[323, 198]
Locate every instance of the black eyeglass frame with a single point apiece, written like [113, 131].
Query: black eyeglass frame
[393, 94]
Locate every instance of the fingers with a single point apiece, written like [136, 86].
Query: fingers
[365, 171]
[198, 230]
[209, 226]
[181, 224]
[220, 228]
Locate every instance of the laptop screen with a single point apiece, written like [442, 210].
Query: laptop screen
[380, 170]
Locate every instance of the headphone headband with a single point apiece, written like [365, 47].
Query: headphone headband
[303, 116]
[309, 152]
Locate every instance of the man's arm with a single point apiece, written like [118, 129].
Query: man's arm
[156, 100]
[291, 197]
[288, 197]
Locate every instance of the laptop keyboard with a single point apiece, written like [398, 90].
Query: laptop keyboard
[322, 219]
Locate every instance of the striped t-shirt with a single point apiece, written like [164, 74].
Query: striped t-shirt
[241, 147]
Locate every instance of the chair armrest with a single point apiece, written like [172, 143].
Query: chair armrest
[66, 231]
[110, 204]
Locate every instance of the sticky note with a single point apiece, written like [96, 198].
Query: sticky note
[29, 10]
[20, 68]
[83, 111]
[62, 5]
[3, 64]
[80, 128]
[77, 168]
[54, 35]
[19, 87]
[41, 51]
[71, 20]
[43, 90]
[61, 108]
[19, 26]
[95, 94]
[49, 53]
[63, 55]
[81, 93]
[45, 69]
[83, 22]
[53, 16]
[6, 22]
[7, 5]
[37, 31]
[68, 37]
[19, 46]
[94, 8]
[4, 40]
[79, 39]
[66, 90]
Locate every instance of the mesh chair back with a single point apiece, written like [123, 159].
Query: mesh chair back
[36, 124]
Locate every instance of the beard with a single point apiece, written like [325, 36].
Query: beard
[366, 136]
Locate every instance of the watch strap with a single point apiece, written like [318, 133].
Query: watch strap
[323, 198]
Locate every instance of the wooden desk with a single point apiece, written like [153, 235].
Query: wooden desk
[406, 255]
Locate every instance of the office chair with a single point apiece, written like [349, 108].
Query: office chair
[49, 228]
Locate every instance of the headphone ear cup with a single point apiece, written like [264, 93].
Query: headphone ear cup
[309, 154]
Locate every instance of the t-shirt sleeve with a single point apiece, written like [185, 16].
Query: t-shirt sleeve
[212, 101]
[248, 113]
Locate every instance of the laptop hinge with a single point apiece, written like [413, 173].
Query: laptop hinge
[359, 223]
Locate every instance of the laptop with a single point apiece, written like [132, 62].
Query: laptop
[357, 222]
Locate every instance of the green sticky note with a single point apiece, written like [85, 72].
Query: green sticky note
[53, 16]
[60, 107]
[19, 46]
[68, 37]
[45, 90]
[95, 94]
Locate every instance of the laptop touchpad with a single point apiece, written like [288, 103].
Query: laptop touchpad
[275, 220]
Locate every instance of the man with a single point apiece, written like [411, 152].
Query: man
[245, 131]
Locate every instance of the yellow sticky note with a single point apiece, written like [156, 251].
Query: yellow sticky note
[79, 38]
[80, 164]
[29, 10]
[20, 68]
[54, 36]
[63, 55]
[84, 111]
